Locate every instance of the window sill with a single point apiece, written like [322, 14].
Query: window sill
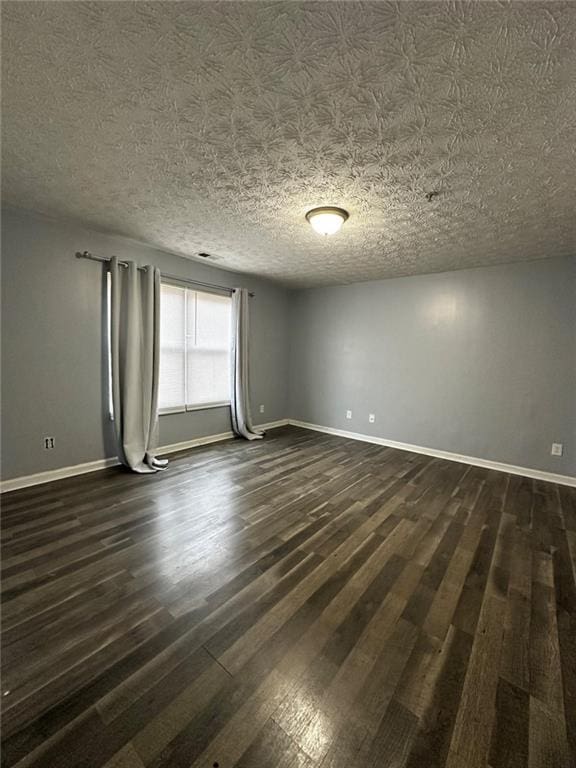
[201, 407]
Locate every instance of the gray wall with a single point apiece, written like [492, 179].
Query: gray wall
[479, 362]
[52, 345]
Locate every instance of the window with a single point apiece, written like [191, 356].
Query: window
[194, 349]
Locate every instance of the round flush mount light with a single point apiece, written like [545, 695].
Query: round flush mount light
[326, 220]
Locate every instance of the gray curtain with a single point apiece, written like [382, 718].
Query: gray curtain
[240, 395]
[135, 353]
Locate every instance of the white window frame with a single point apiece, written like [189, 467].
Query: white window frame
[200, 406]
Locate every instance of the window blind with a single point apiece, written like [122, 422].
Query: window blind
[195, 337]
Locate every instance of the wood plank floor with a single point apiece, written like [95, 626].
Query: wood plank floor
[301, 601]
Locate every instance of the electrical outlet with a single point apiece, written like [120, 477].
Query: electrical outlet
[348, 414]
[49, 443]
[371, 418]
[557, 449]
[261, 409]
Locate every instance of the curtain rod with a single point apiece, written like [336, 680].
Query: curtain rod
[105, 260]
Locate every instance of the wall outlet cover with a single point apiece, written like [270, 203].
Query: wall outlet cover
[261, 409]
[371, 418]
[348, 414]
[49, 443]
[557, 449]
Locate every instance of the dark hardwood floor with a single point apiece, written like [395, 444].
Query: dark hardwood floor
[302, 601]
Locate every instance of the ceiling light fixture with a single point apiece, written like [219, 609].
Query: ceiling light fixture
[326, 220]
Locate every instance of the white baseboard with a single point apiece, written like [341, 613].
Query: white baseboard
[93, 466]
[174, 447]
[55, 474]
[536, 474]
[214, 438]
[49, 476]
[273, 424]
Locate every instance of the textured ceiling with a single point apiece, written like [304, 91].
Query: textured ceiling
[207, 126]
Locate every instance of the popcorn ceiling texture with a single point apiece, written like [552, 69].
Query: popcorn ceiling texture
[208, 126]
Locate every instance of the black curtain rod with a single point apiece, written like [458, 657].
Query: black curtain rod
[105, 259]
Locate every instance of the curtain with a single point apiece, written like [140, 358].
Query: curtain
[240, 389]
[135, 356]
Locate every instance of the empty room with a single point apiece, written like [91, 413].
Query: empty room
[288, 382]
